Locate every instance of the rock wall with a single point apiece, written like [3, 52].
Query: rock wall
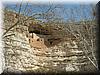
[21, 57]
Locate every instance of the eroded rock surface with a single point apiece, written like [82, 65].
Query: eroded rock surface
[21, 57]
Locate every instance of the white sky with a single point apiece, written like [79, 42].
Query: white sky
[54, 1]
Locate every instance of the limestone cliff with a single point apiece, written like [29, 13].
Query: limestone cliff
[21, 57]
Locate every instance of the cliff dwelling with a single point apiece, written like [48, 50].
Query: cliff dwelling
[36, 41]
[40, 37]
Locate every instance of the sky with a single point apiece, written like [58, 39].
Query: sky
[64, 10]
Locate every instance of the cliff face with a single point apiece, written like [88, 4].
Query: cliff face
[21, 57]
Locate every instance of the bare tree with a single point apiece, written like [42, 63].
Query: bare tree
[86, 36]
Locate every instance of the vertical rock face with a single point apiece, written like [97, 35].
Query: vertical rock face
[2, 58]
[21, 57]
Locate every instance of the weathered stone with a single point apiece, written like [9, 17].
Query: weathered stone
[20, 56]
[70, 67]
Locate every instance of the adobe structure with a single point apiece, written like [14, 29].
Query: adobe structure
[36, 41]
[36, 36]
[40, 37]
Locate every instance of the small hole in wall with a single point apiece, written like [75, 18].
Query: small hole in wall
[47, 39]
[51, 43]
[41, 39]
[29, 40]
[37, 39]
[26, 35]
